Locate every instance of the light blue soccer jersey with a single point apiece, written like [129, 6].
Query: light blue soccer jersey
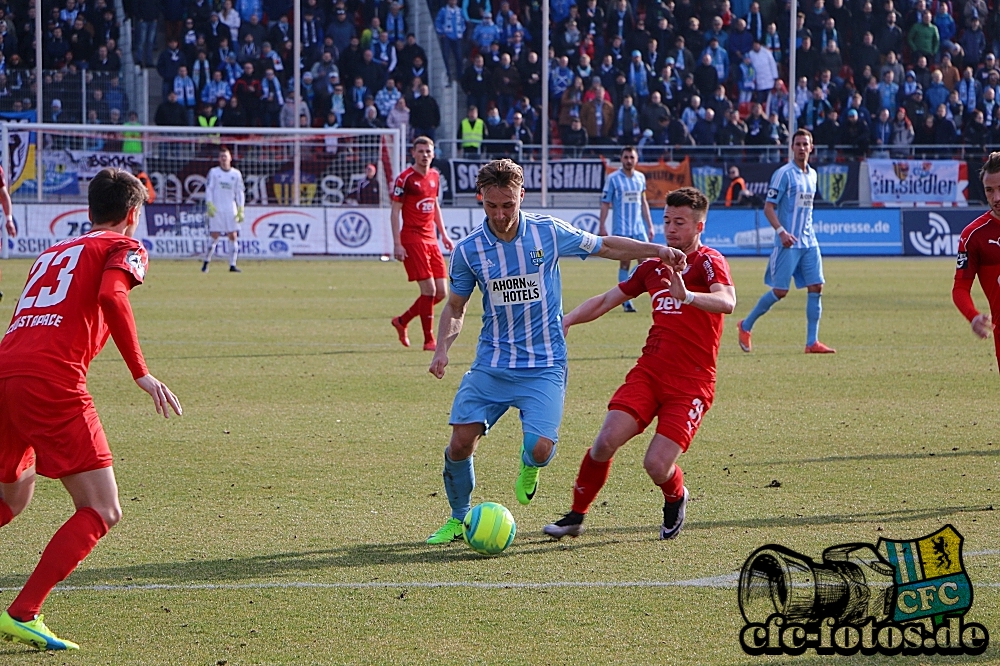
[792, 192]
[625, 196]
[522, 289]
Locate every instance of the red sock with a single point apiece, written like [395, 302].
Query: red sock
[410, 314]
[426, 305]
[673, 488]
[438, 299]
[589, 481]
[70, 544]
[6, 515]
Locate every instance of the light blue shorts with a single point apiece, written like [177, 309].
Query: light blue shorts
[486, 394]
[805, 264]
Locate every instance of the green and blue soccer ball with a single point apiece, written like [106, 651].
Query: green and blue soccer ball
[489, 528]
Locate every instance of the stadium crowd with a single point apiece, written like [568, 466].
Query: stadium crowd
[870, 73]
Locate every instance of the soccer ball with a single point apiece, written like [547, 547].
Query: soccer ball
[489, 528]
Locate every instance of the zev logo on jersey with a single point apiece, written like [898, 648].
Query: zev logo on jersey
[426, 205]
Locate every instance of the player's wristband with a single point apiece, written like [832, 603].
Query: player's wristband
[689, 299]
[780, 230]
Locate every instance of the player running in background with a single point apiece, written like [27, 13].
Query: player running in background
[76, 294]
[674, 379]
[415, 213]
[979, 254]
[521, 358]
[225, 197]
[625, 195]
[796, 250]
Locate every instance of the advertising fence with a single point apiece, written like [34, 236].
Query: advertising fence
[837, 183]
[180, 230]
[935, 233]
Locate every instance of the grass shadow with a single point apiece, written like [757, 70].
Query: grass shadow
[404, 554]
[975, 453]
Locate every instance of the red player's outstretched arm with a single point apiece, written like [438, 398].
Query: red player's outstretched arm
[961, 296]
[113, 299]
[594, 307]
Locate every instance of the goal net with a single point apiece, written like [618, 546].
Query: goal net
[318, 177]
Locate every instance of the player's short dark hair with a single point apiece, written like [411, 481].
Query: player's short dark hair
[992, 165]
[423, 141]
[689, 197]
[225, 149]
[500, 173]
[803, 132]
[112, 193]
[630, 149]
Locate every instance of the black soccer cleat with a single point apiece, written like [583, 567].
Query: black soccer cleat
[233, 269]
[569, 525]
[673, 517]
[204, 267]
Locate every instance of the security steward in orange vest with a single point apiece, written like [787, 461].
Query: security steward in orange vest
[737, 188]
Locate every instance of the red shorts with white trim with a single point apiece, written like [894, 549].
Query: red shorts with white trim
[678, 405]
[424, 261]
[56, 429]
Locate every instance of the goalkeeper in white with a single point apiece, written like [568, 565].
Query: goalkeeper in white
[225, 196]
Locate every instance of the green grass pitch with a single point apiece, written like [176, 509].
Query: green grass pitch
[283, 517]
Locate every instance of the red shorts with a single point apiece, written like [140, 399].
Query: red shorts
[54, 428]
[678, 406]
[424, 261]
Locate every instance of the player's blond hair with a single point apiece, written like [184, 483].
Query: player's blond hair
[505, 173]
[689, 197]
[112, 194]
[423, 141]
[992, 165]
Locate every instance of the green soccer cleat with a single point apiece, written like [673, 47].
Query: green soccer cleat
[527, 483]
[450, 531]
[33, 633]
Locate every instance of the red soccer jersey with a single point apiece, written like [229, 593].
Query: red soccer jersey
[58, 326]
[418, 194]
[979, 254]
[684, 339]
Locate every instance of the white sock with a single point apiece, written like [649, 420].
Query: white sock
[233, 251]
[211, 251]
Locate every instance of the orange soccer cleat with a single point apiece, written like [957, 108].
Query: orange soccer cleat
[401, 331]
[819, 348]
[744, 337]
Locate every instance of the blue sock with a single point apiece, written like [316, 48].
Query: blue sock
[622, 274]
[459, 480]
[814, 310]
[763, 305]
